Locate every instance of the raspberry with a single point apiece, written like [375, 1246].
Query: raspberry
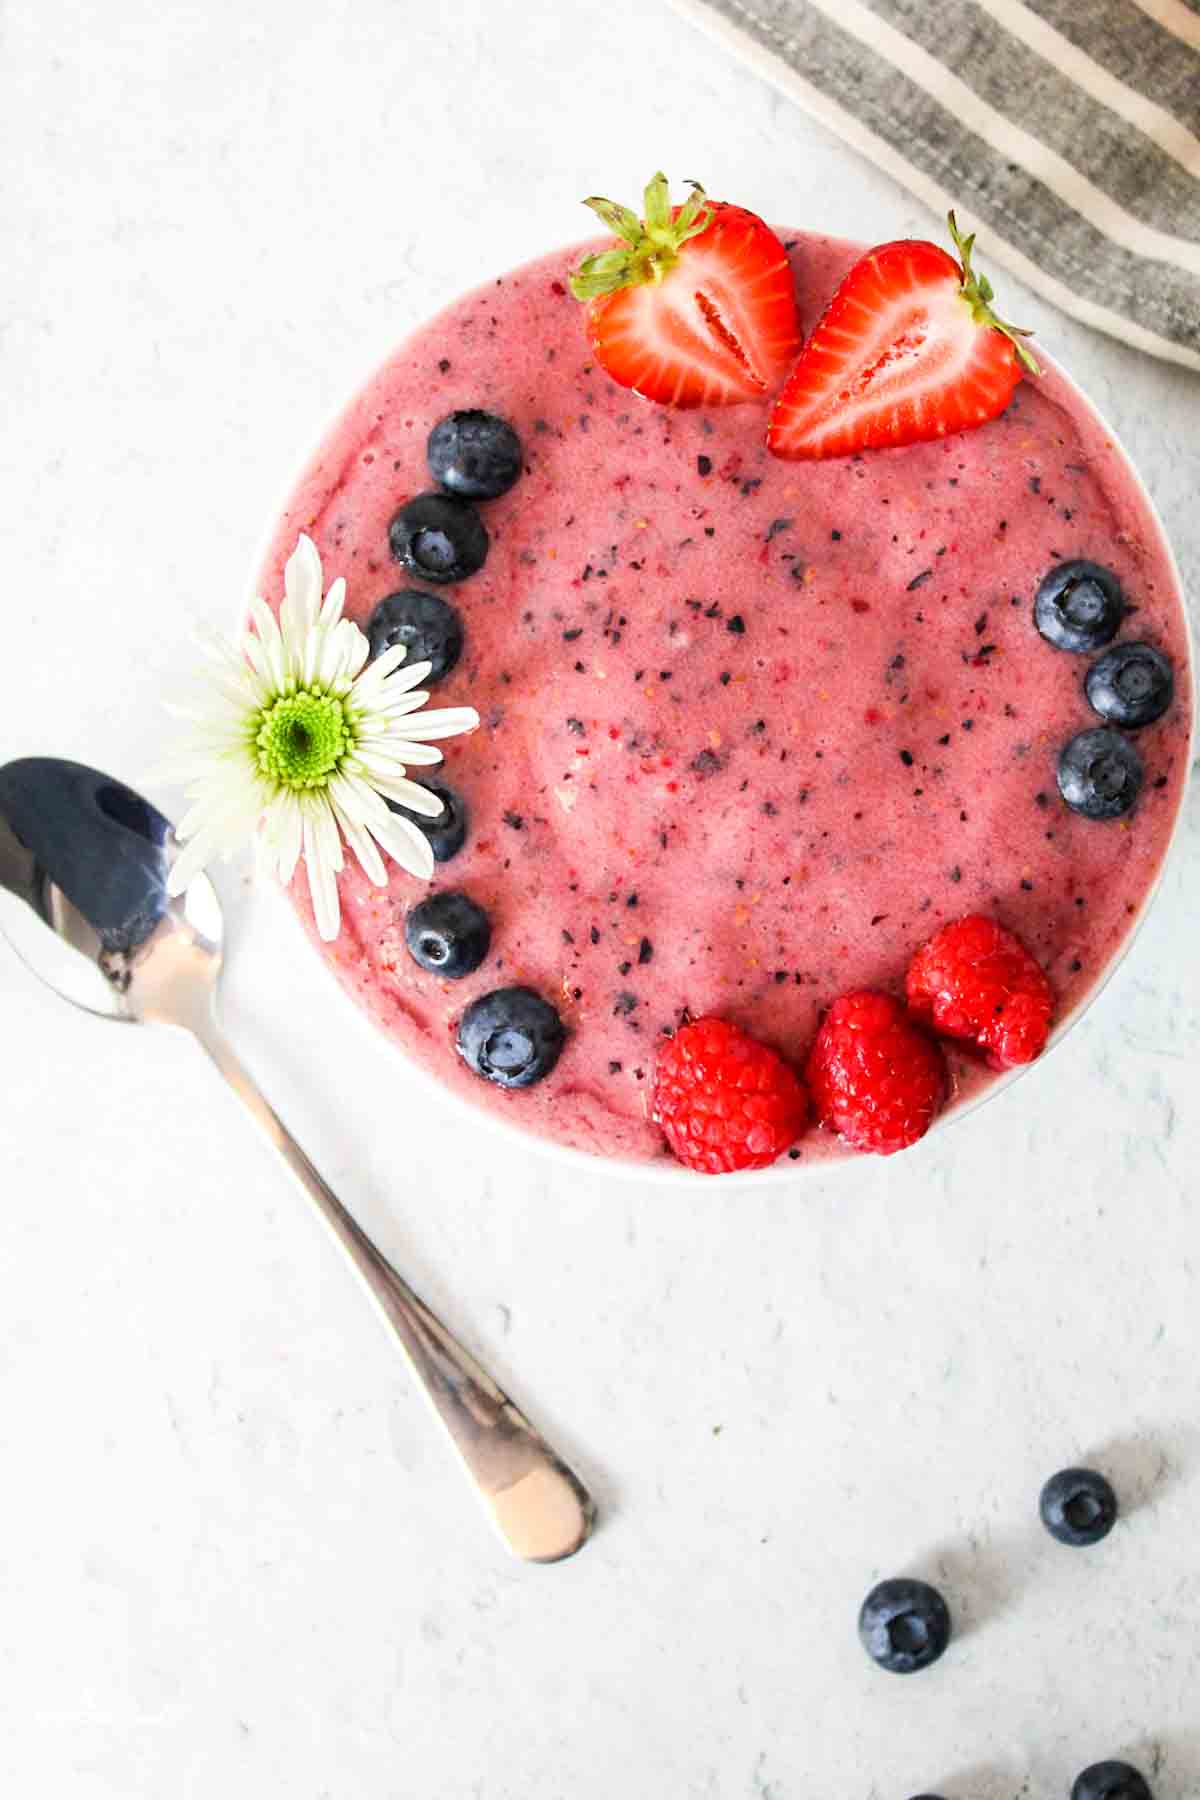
[874, 1078]
[724, 1101]
[975, 980]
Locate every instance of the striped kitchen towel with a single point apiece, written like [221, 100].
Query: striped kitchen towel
[1070, 128]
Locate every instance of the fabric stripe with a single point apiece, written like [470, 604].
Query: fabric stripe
[1175, 17]
[1135, 48]
[894, 124]
[1006, 138]
[1039, 97]
[1078, 68]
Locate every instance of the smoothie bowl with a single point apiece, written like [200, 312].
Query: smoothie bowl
[757, 722]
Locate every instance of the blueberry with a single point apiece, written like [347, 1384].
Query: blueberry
[1078, 1507]
[439, 538]
[1079, 606]
[512, 1037]
[474, 455]
[1111, 1781]
[428, 627]
[448, 934]
[446, 834]
[904, 1625]
[1100, 773]
[1131, 685]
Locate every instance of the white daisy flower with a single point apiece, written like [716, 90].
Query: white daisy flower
[299, 733]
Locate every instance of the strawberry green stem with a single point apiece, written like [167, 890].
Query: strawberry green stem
[977, 291]
[651, 244]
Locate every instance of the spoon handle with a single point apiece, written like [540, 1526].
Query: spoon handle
[539, 1507]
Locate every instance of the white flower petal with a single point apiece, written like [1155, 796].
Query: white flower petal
[241, 693]
[262, 626]
[390, 742]
[406, 843]
[449, 721]
[382, 668]
[301, 593]
[185, 766]
[358, 650]
[418, 799]
[373, 762]
[325, 825]
[338, 657]
[190, 860]
[358, 836]
[283, 835]
[265, 648]
[322, 861]
[365, 801]
[393, 681]
[418, 755]
[381, 716]
[227, 808]
[307, 656]
[229, 669]
[322, 887]
[220, 650]
[335, 600]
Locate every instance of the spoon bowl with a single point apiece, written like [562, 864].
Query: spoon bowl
[74, 960]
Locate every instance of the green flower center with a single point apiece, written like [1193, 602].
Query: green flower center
[302, 738]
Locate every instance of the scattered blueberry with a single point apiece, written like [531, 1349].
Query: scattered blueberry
[428, 627]
[446, 834]
[904, 1625]
[448, 934]
[512, 1037]
[1131, 685]
[1100, 773]
[439, 538]
[474, 455]
[1111, 1781]
[1079, 606]
[1078, 1507]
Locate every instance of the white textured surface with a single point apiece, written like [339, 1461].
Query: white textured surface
[235, 1559]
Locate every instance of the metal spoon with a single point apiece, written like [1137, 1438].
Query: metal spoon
[89, 859]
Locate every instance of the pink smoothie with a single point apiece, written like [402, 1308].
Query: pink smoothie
[751, 731]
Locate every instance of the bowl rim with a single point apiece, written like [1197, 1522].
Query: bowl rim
[664, 1172]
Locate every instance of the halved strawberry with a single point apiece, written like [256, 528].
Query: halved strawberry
[698, 308]
[908, 349]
